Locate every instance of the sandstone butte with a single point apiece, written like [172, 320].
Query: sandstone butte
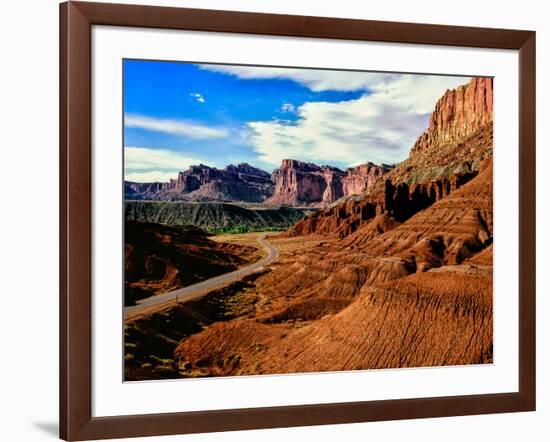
[306, 184]
[398, 276]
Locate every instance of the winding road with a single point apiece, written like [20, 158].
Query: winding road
[202, 288]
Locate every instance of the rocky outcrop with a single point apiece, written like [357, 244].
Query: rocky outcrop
[295, 183]
[203, 183]
[399, 202]
[449, 154]
[360, 178]
[458, 114]
[305, 184]
[298, 183]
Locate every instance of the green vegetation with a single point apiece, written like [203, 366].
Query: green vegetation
[215, 217]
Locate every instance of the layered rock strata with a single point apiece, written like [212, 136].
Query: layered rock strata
[203, 183]
[306, 184]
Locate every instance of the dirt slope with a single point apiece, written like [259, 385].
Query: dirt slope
[160, 258]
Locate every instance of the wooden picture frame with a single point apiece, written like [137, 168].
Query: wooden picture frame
[76, 420]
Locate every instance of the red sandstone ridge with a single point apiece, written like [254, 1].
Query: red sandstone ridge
[299, 183]
[459, 137]
[459, 113]
[360, 178]
[449, 154]
[203, 183]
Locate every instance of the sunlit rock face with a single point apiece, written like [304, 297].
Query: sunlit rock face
[300, 183]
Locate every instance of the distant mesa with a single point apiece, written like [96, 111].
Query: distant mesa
[204, 183]
[298, 183]
[295, 183]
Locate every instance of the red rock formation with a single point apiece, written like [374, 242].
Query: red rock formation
[299, 183]
[296, 184]
[359, 178]
[458, 114]
[448, 155]
[333, 180]
[398, 202]
[203, 183]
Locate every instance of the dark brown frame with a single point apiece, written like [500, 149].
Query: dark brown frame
[76, 421]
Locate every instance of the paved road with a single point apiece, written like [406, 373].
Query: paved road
[201, 288]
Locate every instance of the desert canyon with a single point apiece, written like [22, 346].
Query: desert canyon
[376, 266]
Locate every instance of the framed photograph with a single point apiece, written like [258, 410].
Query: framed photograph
[272, 220]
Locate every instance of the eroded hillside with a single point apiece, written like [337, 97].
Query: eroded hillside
[160, 258]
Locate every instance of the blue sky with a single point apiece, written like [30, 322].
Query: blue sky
[178, 114]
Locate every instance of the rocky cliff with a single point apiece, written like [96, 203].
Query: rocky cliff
[360, 178]
[458, 140]
[458, 114]
[203, 183]
[295, 183]
[306, 184]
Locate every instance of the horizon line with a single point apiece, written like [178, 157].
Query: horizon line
[245, 163]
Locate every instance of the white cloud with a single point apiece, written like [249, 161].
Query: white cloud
[417, 92]
[315, 79]
[150, 158]
[145, 164]
[152, 176]
[288, 107]
[380, 127]
[183, 128]
[197, 97]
